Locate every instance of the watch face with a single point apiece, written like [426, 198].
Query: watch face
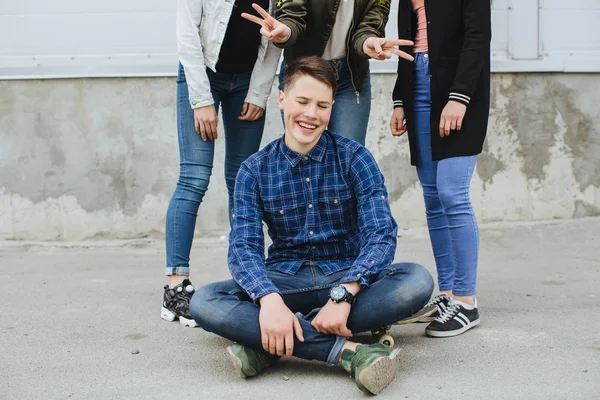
[337, 293]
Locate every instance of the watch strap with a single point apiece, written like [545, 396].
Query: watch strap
[349, 298]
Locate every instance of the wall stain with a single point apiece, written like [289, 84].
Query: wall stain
[534, 101]
[531, 110]
[490, 163]
[583, 138]
[583, 209]
[8, 104]
[488, 166]
[90, 139]
[57, 157]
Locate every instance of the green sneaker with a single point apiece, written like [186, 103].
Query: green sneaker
[249, 362]
[373, 366]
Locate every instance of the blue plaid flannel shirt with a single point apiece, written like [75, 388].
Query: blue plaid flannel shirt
[329, 206]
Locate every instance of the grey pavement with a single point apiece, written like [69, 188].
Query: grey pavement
[81, 321]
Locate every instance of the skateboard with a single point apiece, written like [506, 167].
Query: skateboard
[382, 335]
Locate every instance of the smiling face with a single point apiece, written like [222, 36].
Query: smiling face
[306, 105]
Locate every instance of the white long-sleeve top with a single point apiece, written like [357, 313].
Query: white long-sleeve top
[201, 27]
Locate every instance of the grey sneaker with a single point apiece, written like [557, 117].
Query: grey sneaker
[249, 362]
[373, 366]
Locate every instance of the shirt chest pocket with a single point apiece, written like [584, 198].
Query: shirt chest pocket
[337, 208]
[284, 215]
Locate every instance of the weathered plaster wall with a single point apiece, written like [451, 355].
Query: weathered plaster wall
[86, 158]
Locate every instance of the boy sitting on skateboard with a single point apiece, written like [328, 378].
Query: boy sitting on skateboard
[329, 272]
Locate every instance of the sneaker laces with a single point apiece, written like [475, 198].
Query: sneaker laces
[436, 300]
[449, 313]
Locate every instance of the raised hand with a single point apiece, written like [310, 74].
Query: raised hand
[272, 29]
[382, 48]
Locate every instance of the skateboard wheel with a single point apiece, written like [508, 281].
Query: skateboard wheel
[387, 340]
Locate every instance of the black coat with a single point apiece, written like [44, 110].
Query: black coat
[458, 34]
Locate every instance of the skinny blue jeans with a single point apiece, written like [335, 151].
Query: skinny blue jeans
[242, 139]
[397, 292]
[452, 226]
[350, 113]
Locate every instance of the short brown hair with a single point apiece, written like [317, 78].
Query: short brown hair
[313, 66]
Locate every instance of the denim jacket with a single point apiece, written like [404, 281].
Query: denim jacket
[201, 27]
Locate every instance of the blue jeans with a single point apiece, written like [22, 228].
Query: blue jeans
[452, 226]
[398, 291]
[242, 139]
[350, 114]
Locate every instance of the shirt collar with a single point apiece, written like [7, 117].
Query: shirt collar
[317, 153]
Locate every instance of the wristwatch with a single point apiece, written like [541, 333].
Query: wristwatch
[340, 293]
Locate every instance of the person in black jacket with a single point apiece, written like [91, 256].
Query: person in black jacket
[442, 101]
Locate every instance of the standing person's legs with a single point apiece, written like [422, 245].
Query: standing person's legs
[195, 168]
[451, 221]
[453, 181]
[427, 171]
[242, 138]
[350, 112]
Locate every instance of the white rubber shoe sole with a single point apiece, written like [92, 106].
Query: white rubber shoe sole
[170, 316]
[237, 363]
[381, 373]
[423, 315]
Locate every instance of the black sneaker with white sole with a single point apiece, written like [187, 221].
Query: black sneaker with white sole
[176, 304]
[456, 319]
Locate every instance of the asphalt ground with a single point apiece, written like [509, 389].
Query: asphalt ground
[81, 321]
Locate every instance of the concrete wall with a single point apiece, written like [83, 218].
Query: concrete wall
[86, 158]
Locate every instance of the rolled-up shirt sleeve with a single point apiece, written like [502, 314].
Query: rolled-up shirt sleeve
[246, 256]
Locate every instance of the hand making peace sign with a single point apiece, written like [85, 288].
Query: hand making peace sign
[374, 47]
[272, 29]
[382, 48]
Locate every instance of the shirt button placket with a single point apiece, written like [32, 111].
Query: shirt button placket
[310, 218]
